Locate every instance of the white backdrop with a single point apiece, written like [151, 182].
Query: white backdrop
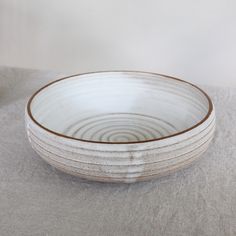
[193, 40]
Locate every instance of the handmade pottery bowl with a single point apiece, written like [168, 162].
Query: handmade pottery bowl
[120, 126]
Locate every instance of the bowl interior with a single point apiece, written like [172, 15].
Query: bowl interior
[119, 107]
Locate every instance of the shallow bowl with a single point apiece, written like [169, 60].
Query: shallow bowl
[120, 126]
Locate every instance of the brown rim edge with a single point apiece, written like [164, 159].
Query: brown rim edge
[120, 71]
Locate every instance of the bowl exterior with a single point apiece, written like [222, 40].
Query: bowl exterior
[126, 163]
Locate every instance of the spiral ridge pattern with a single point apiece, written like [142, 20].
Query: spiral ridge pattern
[120, 127]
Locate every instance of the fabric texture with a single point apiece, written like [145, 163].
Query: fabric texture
[37, 199]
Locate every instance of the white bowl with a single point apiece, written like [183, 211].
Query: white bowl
[120, 126]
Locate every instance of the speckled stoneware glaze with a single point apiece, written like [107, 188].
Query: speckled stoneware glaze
[120, 126]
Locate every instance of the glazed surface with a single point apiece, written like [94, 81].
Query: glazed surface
[119, 107]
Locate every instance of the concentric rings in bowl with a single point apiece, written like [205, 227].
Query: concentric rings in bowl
[120, 126]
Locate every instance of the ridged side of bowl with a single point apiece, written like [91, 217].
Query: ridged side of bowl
[121, 162]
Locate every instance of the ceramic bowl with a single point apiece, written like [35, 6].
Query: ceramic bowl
[120, 126]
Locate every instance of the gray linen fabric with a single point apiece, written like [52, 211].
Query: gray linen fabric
[36, 199]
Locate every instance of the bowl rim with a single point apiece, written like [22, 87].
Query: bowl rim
[28, 107]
